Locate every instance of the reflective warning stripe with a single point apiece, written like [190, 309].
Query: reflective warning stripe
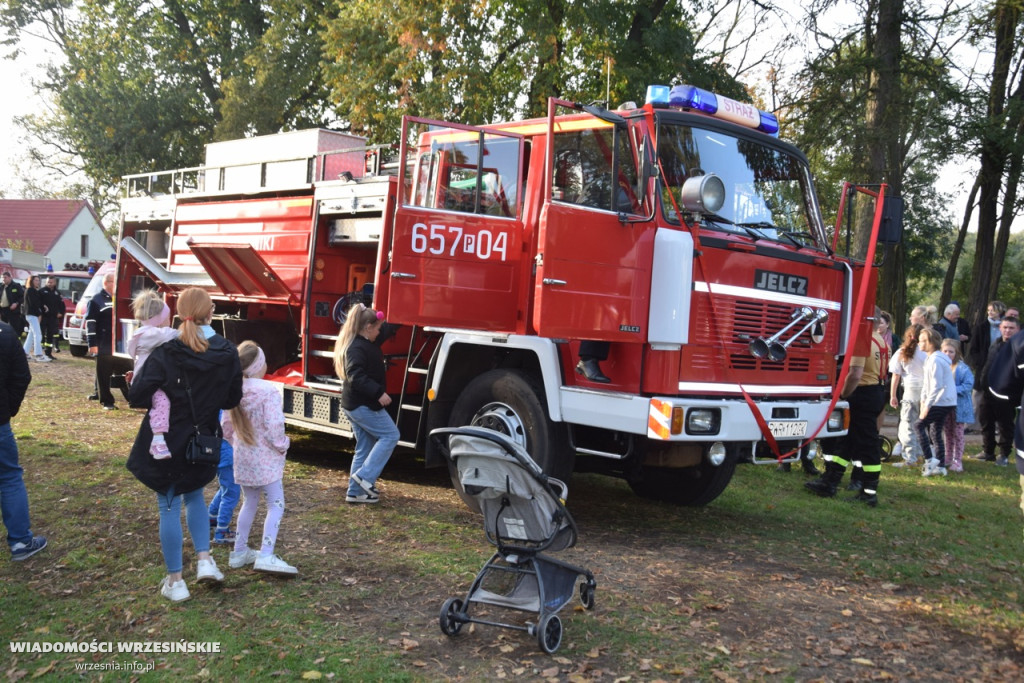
[659, 419]
[836, 459]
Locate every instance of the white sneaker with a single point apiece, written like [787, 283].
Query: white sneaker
[239, 558]
[905, 463]
[931, 466]
[272, 564]
[175, 592]
[44, 359]
[207, 572]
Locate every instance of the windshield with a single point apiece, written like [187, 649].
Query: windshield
[768, 192]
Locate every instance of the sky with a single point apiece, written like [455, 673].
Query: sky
[17, 98]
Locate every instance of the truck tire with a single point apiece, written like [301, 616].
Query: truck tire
[78, 351]
[512, 402]
[689, 486]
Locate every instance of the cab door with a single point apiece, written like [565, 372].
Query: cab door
[592, 277]
[457, 257]
[858, 225]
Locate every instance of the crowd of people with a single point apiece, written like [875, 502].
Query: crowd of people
[194, 383]
[34, 309]
[947, 379]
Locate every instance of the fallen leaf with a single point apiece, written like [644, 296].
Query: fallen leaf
[312, 675]
[45, 670]
[862, 661]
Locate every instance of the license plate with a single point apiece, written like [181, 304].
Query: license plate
[784, 429]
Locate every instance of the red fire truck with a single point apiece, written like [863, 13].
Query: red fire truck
[682, 236]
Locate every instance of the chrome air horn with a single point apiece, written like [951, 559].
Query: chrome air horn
[777, 352]
[761, 347]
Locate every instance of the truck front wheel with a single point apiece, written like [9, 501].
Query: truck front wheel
[512, 402]
[692, 486]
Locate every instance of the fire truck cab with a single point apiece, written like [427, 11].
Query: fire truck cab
[682, 235]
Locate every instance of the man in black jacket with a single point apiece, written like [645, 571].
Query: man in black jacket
[995, 416]
[99, 327]
[14, 379]
[12, 294]
[53, 314]
[1006, 384]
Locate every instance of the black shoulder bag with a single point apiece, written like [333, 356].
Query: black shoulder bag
[202, 449]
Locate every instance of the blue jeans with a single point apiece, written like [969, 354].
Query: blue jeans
[222, 507]
[170, 526]
[13, 496]
[376, 436]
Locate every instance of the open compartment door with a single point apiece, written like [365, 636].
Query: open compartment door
[240, 272]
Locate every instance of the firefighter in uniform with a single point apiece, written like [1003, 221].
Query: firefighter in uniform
[864, 391]
[99, 327]
[53, 314]
[12, 294]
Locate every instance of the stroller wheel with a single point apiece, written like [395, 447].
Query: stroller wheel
[450, 624]
[549, 633]
[587, 590]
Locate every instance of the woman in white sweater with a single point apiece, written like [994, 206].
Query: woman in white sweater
[938, 400]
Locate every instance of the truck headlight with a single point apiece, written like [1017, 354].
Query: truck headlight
[837, 420]
[703, 420]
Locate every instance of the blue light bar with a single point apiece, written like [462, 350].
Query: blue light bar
[719, 106]
[769, 123]
[693, 98]
[657, 94]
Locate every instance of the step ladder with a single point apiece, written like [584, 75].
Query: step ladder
[417, 363]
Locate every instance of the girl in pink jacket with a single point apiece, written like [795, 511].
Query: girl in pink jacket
[256, 431]
[154, 318]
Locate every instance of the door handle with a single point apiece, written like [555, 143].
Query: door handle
[403, 276]
[553, 281]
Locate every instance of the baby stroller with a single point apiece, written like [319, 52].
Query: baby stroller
[524, 515]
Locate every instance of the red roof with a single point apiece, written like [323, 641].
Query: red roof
[40, 222]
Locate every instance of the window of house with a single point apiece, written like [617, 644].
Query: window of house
[85, 246]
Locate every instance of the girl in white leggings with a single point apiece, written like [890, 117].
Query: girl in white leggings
[258, 462]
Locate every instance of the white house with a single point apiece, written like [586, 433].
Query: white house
[67, 231]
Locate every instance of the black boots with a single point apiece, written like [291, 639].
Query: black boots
[870, 499]
[821, 486]
[591, 369]
[825, 485]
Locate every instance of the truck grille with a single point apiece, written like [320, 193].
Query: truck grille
[741, 322]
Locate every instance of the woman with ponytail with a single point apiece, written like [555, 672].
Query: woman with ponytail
[200, 373]
[359, 363]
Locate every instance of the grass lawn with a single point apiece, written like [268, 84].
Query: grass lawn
[768, 582]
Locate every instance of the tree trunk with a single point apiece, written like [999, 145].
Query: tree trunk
[993, 157]
[947, 284]
[884, 159]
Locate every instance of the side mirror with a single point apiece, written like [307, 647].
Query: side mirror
[891, 229]
[647, 169]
